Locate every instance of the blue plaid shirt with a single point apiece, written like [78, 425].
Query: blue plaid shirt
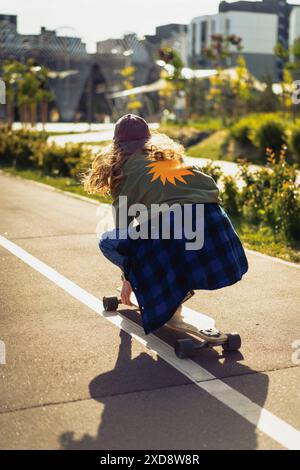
[162, 272]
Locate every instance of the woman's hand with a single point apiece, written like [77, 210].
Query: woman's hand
[125, 293]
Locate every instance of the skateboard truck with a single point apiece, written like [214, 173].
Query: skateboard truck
[111, 304]
[188, 347]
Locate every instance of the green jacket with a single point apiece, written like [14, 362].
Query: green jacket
[157, 182]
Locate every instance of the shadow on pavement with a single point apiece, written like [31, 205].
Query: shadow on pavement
[174, 416]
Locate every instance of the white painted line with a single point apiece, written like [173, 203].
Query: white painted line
[271, 425]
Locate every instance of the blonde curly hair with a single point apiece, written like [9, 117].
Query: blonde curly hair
[105, 174]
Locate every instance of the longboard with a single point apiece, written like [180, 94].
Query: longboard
[194, 323]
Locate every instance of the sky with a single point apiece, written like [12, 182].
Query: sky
[95, 20]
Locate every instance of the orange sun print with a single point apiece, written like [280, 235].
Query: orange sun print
[169, 170]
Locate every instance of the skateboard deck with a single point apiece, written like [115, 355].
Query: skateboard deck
[200, 326]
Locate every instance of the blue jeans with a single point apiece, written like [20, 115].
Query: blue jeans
[108, 244]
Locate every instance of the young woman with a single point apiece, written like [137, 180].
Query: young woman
[148, 169]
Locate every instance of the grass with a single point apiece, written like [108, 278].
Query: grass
[263, 240]
[99, 143]
[260, 239]
[211, 148]
[57, 133]
[206, 124]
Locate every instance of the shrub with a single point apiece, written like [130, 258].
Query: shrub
[28, 149]
[230, 196]
[6, 155]
[295, 144]
[271, 196]
[83, 164]
[212, 170]
[286, 208]
[252, 196]
[255, 132]
[186, 136]
[241, 132]
[54, 160]
[270, 134]
[18, 148]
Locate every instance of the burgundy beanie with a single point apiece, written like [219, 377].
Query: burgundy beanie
[131, 132]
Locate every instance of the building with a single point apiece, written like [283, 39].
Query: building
[171, 35]
[79, 81]
[58, 52]
[260, 24]
[134, 51]
[294, 26]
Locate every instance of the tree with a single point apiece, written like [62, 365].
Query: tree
[44, 95]
[26, 84]
[221, 95]
[133, 103]
[172, 57]
[197, 103]
[219, 53]
[242, 85]
[172, 75]
[28, 88]
[267, 100]
[231, 92]
[12, 70]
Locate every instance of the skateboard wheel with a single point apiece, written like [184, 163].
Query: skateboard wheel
[110, 303]
[184, 348]
[233, 343]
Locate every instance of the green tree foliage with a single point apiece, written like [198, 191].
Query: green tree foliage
[26, 86]
[231, 92]
[219, 53]
[128, 73]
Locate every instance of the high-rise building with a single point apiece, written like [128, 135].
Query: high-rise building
[260, 24]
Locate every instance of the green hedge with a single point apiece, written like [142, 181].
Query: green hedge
[29, 150]
[185, 135]
[295, 142]
[241, 133]
[18, 148]
[270, 134]
[255, 133]
[269, 197]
